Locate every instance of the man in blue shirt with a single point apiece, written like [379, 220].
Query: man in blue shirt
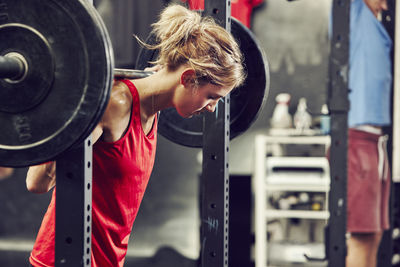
[370, 82]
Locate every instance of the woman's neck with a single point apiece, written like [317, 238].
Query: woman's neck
[156, 91]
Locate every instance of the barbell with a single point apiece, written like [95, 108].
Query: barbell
[56, 74]
[14, 68]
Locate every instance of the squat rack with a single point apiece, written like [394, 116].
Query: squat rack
[74, 177]
[73, 224]
[335, 244]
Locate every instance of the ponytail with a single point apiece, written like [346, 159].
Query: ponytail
[184, 37]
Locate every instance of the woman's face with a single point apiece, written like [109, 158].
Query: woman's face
[376, 6]
[192, 100]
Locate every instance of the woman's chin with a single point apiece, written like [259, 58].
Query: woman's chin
[189, 115]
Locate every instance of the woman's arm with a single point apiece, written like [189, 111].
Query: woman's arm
[41, 178]
[5, 172]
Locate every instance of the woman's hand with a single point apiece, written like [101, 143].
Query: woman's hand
[41, 178]
[5, 172]
[154, 68]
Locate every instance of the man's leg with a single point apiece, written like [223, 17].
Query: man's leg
[362, 249]
[364, 199]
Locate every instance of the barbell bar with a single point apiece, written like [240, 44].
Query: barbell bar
[56, 74]
[13, 67]
[131, 74]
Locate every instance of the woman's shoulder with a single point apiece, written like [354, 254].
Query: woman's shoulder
[120, 96]
[119, 103]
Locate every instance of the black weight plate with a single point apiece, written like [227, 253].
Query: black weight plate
[78, 93]
[246, 101]
[18, 96]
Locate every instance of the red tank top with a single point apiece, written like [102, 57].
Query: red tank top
[121, 171]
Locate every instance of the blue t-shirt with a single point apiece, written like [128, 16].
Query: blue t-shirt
[370, 70]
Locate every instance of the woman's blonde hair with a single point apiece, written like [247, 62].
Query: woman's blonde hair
[184, 37]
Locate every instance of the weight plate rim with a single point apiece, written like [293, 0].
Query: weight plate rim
[236, 131]
[110, 69]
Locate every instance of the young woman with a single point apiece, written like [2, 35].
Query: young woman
[199, 63]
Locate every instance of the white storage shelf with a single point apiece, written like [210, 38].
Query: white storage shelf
[300, 214]
[288, 177]
[285, 174]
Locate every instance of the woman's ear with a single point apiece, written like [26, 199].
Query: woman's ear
[188, 77]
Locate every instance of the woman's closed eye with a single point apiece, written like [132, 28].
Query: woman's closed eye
[214, 97]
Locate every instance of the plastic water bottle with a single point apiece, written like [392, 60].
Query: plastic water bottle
[325, 120]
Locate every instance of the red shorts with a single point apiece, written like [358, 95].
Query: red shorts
[368, 183]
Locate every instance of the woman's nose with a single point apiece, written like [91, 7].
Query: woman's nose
[211, 106]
